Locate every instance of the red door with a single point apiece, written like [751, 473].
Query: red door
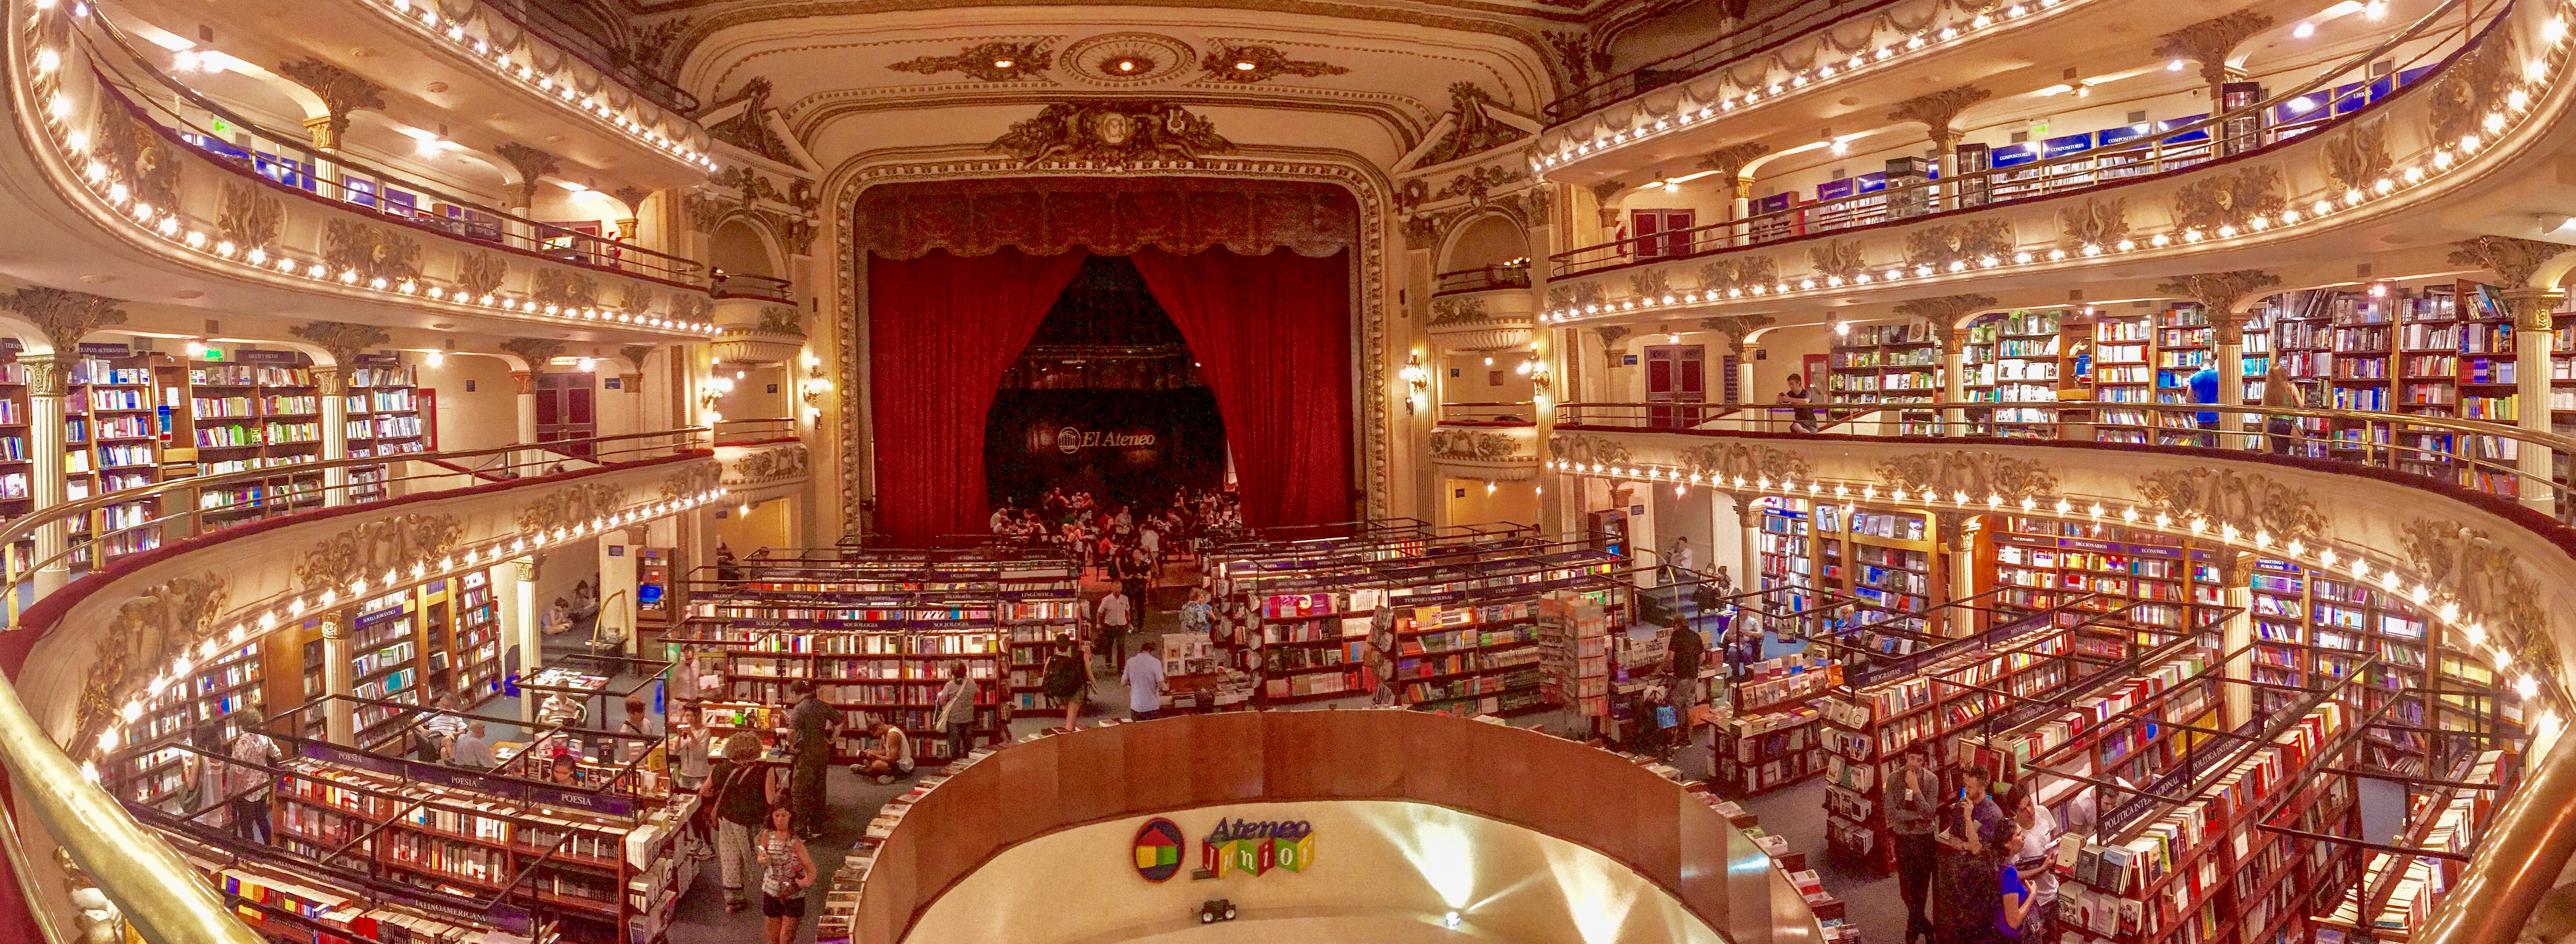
[1676, 374]
[564, 410]
[1661, 233]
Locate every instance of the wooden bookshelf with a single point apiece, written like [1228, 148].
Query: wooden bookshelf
[871, 656]
[2021, 354]
[383, 420]
[1888, 364]
[1775, 737]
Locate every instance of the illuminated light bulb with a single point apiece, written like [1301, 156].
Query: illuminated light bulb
[1956, 497]
[2095, 510]
[2129, 515]
[2163, 520]
[2525, 686]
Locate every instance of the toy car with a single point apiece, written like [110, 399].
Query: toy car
[1215, 910]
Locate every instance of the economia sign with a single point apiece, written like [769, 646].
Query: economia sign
[1236, 845]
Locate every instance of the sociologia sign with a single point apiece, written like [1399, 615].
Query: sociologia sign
[1234, 846]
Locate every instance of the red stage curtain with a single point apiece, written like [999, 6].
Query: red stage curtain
[1272, 336]
[941, 330]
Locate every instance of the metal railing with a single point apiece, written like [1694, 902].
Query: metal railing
[2163, 148]
[2470, 454]
[1484, 278]
[161, 895]
[746, 432]
[290, 161]
[744, 285]
[1748, 42]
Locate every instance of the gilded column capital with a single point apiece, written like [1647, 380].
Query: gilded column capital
[524, 569]
[1939, 112]
[526, 381]
[634, 383]
[48, 375]
[2209, 42]
[2532, 308]
[331, 629]
[330, 380]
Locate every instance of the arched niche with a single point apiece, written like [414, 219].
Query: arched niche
[1488, 240]
[737, 246]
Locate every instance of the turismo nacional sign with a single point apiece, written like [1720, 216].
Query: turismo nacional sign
[1235, 845]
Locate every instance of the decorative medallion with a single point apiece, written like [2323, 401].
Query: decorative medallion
[2096, 223]
[1112, 132]
[2475, 82]
[566, 288]
[780, 319]
[161, 623]
[1839, 258]
[1477, 182]
[996, 61]
[2227, 200]
[1261, 64]
[479, 273]
[1736, 274]
[2358, 155]
[1650, 283]
[1458, 309]
[1950, 246]
[2251, 503]
[353, 249]
[1975, 474]
[783, 462]
[250, 215]
[571, 505]
[1122, 59]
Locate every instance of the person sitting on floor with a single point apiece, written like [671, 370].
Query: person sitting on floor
[891, 758]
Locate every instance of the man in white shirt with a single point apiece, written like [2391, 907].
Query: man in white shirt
[1144, 675]
[441, 729]
[1115, 611]
[1151, 539]
[473, 748]
[252, 751]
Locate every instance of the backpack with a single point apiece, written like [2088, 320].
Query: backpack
[1063, 678]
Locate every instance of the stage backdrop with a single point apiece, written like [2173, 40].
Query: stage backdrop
[1255, 273]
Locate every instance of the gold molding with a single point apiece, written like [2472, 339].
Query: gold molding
[1976, 474]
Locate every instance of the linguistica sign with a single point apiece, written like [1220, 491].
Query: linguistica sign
[1235, 846]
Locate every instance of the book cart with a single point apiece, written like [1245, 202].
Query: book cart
[395, 850]
[877, 631]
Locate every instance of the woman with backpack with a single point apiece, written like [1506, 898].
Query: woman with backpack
[1067, 679]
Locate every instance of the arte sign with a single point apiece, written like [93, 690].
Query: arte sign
[1070, 440]
[1234, 846]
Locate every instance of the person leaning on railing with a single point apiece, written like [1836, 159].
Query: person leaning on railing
[2279, 429]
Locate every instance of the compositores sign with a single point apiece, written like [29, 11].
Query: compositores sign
[1234, 846]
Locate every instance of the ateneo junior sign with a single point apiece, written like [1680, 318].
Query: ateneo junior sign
[1070, 440]
[1238, 845]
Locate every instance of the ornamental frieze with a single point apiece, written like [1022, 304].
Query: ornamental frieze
[571, 505]
[1976, 474]
[1111, 132]
[1587, 450]
[2228, 201]
[783, 462]
[1726, 462]
[2251, 504]
[1458, 309]
[378, 547]
[1473, 444]
[691, 481]
[2485, 579]
[1837, 259]
[1737, 274]
[2100, 223]
[157, 625]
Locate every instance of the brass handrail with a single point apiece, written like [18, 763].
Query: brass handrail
[159, 893]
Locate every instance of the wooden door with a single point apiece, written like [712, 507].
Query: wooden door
[1661, 233]
[564, 410]
[1676, 374]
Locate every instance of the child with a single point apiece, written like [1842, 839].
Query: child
[786, 871]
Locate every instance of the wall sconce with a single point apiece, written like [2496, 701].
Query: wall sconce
[1418, 379]
[815, 386]
[715, 389]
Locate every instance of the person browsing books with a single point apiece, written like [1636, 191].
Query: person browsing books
[814, 724]
[1144, 677]
[957, 711]
[742, 793]
[1913, 800]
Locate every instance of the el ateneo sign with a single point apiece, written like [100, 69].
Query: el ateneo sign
[1071, 440]
[1233, 846]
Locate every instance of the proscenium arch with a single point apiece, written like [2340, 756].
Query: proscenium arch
[1372, 297]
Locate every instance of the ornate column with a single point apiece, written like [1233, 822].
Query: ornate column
[1729, 162]
[1537, 211]
[339, 677]
[1748, 523]
[1939, 113]
[342, 92]
[617, 550]
[2532, 296]
[532, 164]
[517, 581]
[1954, 382]
[2223, 297]
[1958, 561]
[2209, 42]
[1744, 352]
[48, 376]
[65, 317]
[2236, 635]
[537, 353]
[2533, 342]
[633, 383]
[334, 389]
[345, 343]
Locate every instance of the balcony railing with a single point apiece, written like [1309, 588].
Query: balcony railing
[2348, 90]
[289, 161]
[1746, 43]
[598, 53]
[752, 432]
[1483, 279]
[2500, 460]
[1513, 414]
[762, 287]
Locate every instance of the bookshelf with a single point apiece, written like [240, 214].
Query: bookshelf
[1888, 364]
[1775, 737]
[2398, 893]
[113, 445]
[385, 651]
[871, 656]
[2020, 354]
[152, 768]
[2123, 372]
[383, 420]
[477, 638]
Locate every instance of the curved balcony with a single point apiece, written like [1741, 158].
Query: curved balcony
[101, 647]
[2463, 548]
[1491, 441]
[2191, 196]
[149, 197]
[1681, 871]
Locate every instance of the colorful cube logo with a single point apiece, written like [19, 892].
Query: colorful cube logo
[1294, 855]
[1159, 847]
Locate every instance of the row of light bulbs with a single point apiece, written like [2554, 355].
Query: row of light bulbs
[2388, 576]
[426, 17]
[1569, 150]
[2517, 105]
[290, 611]
[166, 223]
